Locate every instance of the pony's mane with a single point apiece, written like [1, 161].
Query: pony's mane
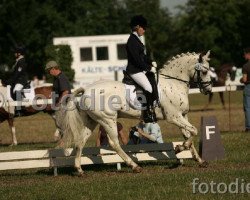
[174, 58]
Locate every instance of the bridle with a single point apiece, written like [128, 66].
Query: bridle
[201, 84]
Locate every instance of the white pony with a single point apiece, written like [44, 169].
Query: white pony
[105, 101]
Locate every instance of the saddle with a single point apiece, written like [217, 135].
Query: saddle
[149, 114]
[151, 77]
[26, 92]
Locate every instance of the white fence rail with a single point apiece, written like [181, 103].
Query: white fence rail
[55, 158]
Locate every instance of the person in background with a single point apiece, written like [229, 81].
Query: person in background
[19, 76]
[61, 89]
[102, 138]
[35, 82]
[145, 132]
[61, 85]
[43, 81]
[246, 93]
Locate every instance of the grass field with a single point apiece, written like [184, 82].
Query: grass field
[161, 180]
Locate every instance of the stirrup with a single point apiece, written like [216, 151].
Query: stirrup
[149, 116]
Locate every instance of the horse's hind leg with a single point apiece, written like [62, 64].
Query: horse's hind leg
[210, 98]
[86, 132]
[222, 100]
[111, 129]
[13, 130]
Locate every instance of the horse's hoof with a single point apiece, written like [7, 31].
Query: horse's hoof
[79, 174]
[137, 169]
[204, 164]
[82, 174]
[178, 149]
[13, 144]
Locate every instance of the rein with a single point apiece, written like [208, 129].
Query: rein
[201, 84]
[171, 77]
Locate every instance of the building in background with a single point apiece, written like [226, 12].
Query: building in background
[97, 57]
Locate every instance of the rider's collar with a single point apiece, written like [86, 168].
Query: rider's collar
[135, 33]
[20, 57]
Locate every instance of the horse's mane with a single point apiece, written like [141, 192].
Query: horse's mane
[174, 58]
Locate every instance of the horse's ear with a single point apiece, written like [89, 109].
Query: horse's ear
[207, 56]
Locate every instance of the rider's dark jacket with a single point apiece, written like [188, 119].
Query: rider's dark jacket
[19, 74]
[137, 59]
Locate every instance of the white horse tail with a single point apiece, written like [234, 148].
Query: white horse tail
[79, 91]
[72, 126]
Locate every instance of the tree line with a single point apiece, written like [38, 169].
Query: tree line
[200, 25]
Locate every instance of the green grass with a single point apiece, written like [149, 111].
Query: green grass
[159, 180]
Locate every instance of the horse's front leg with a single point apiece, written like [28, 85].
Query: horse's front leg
[189, 144]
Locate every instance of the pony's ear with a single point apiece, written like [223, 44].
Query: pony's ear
[207, 56]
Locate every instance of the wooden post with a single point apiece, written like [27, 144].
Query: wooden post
[118, 165]
[55, 171]
[229, 107]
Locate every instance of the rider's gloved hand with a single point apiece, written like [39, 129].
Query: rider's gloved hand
[154, 66]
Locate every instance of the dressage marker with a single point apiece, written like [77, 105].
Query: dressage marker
[55, 158]
[211, 147]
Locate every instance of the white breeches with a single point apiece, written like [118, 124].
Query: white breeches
[141, 79]
[18, 87]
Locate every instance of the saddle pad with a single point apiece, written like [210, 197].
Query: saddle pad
[132, 93]
[28, 93]
[131, 97]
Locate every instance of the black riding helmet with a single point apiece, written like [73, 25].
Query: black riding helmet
[138, 20]
[19, 49]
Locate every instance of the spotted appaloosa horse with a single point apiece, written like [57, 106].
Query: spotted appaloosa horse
[105, 101]
[6, 114]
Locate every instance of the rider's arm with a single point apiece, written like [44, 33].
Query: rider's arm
[134, 51]
[64, 93]
[244, 79]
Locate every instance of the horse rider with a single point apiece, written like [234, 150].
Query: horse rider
[139, 64]
[19, 76]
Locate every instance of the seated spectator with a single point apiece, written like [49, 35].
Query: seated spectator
[143, 133]
[102, 139]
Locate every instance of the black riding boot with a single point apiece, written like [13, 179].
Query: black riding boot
[149, 114]
[18, 109]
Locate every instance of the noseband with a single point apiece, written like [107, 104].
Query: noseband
[201, 84]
